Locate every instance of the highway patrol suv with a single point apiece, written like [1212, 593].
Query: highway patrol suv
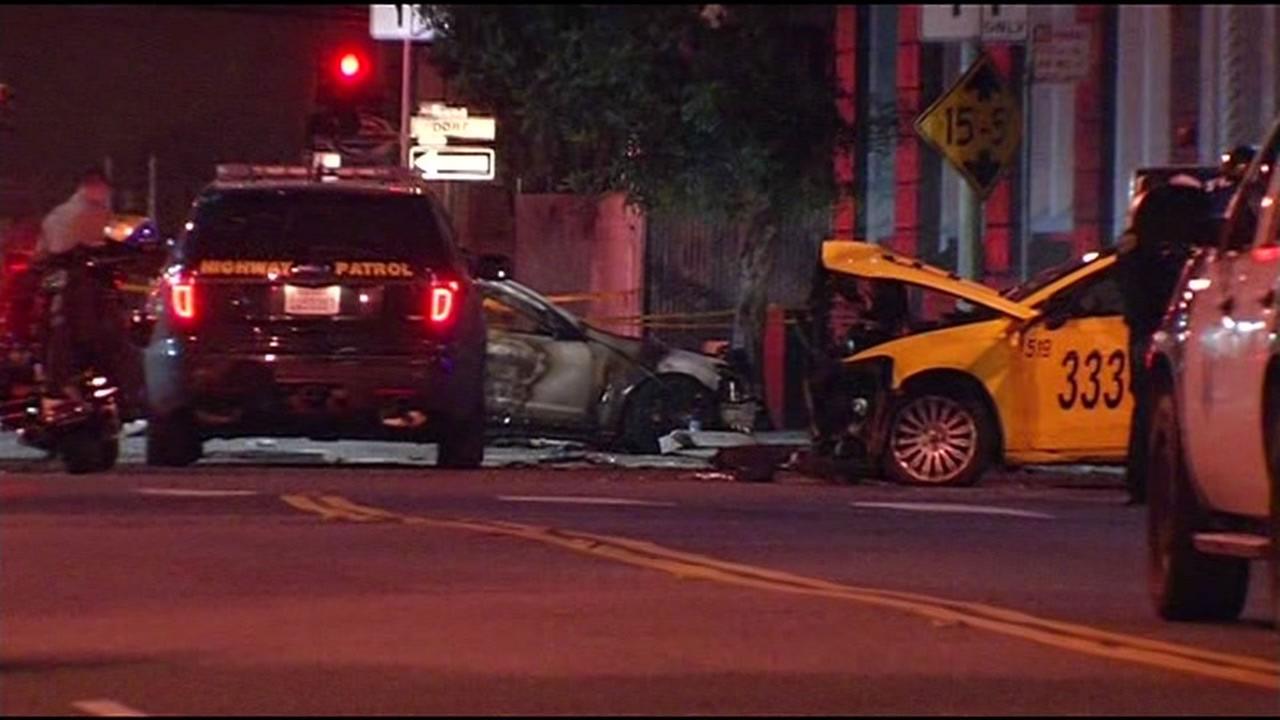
[320, 303]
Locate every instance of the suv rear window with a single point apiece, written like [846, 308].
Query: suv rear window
[315, 226]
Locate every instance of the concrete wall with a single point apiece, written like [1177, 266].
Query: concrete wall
[1142, 96]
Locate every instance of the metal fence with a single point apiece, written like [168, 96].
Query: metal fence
[692, 270]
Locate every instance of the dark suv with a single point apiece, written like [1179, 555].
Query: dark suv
[326, 306]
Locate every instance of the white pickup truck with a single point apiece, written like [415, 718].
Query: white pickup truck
[1214, 440]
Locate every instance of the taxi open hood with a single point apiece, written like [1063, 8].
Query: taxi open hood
[865, 260]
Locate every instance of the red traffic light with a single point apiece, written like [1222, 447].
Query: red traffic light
[351, 66]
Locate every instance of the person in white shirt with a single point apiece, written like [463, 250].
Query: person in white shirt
[80, 221]
[76, 324]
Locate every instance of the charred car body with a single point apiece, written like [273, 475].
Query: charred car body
[328, 304]
[551, 374]
[931, 378]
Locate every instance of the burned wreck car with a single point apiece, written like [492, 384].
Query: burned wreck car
[552, 375]
[930, 379]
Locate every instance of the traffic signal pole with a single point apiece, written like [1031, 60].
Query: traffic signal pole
[405, 101]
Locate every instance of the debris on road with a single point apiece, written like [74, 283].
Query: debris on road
[689, 439]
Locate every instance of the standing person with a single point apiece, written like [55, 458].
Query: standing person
[79, 221]
[75, 321]
[1230, 173]
[1165, 224]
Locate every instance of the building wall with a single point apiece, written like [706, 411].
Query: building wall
[1192, 82]
[1164, 84]
[846, 65]
[1089, 164]
[590, 248]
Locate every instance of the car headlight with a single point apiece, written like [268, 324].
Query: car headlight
[860, 406]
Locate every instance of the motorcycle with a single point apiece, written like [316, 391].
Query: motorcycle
[83, 430]
[85, 435]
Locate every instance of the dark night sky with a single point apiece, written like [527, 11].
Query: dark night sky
[195, 86]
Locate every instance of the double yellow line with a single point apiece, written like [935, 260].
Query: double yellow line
[1082, 639]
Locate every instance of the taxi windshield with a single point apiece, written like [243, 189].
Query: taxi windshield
[1047, 277]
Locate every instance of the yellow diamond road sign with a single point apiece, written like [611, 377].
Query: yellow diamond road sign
[976, 125]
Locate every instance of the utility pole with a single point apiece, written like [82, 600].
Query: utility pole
[406, 99]
[1024, 255]
[969, 252]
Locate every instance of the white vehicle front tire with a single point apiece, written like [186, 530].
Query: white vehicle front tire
[1185, 584]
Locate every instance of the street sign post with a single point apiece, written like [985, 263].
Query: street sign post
[976, 126]
[1004, 23]
[435, 123]
[408, 24]
[991, 23]
[1060, 54]
[432, 155]
[453, 163]
[400, 22]
[950, 22]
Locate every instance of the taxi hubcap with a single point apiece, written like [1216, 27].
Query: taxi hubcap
[934, 439]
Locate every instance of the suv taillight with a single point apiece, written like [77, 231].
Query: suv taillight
[182, 299]
[442, 303]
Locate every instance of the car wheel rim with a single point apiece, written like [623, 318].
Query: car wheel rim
[934, 439]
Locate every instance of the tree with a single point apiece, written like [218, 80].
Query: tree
[725, 113]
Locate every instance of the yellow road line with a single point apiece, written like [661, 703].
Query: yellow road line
[307, 504]
[989, 610]
[1011, 623]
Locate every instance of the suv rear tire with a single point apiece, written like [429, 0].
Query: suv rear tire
[462, 445]
[173, 440]
[1185, 584]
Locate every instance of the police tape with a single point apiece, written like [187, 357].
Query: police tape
[675, 321]
[566, 298]
[652, 321]
[662, 316]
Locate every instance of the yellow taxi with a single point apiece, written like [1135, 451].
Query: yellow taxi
[939, 377]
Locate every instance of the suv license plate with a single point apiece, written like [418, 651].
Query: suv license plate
[312, 301]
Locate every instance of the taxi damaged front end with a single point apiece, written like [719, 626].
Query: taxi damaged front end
[872, 310]
[851, 412]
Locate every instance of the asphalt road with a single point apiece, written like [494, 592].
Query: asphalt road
[248, 587]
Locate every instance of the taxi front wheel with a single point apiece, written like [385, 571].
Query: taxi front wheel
[937, 438]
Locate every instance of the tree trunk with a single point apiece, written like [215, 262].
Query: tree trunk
[755, 264]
